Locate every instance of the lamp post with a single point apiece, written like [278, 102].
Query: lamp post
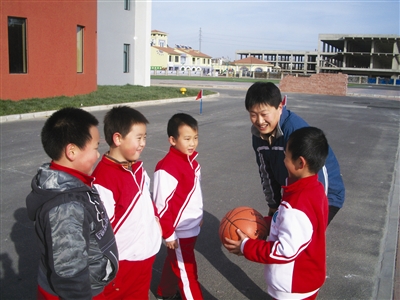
[227, 64]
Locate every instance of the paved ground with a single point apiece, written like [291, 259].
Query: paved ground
[375, 91]
[362, 239]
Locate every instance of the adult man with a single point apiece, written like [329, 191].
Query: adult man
[272, 125]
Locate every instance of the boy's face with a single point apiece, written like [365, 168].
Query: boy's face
[265, 117]
[289, 163]
[87, 157]
[187, 140]
[294, 167]
[131, 146]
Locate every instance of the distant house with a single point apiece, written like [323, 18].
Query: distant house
[181, 58]
[252, 64]
[220, 65]
[194, 60]
[159, 38]
[124, 42]
[164, 58]
[48, 49]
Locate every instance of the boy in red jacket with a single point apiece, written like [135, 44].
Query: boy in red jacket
[295, 250]
[124, 186]
[179, 202]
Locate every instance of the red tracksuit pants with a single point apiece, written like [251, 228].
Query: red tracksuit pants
[180, 269]
[132, 280]
[43, 295]
[312, 297]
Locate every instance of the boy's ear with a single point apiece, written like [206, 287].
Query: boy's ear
[302, 163]
[71, 151]
[172, 140]
[117, 139]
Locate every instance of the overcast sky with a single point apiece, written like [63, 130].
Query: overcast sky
[229, 26]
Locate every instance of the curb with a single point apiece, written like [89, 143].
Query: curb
[389, 274]
[205, 86]
[373, 96]
[45, 114]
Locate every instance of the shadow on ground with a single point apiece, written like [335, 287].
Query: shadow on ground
[20, 284]
[209, 245]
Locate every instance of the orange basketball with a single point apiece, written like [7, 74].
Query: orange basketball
[247, 219]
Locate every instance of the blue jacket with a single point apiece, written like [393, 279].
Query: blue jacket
[272, 169]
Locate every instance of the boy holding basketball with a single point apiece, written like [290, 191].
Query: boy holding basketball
[295, 251]
[178, 197]
[124, 186]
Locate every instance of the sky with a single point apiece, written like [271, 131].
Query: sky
[220, 28]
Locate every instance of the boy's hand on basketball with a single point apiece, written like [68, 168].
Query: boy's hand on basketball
[234, 246]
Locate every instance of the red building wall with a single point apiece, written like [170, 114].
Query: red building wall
[322, 83]
[51, 49]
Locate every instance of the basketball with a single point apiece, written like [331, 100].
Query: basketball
[247, 219]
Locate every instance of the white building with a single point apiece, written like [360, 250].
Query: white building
[123, 39]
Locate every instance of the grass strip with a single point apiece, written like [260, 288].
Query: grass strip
[105, 95]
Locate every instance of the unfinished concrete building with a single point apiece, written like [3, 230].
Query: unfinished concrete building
[373, 56]
[366, 55]
[293, 62]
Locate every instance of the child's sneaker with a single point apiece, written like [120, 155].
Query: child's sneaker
[177, 296]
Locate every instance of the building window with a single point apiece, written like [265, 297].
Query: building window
[161, 43]
[17, 45]
[79, 49]
[176, 58]
[170, 58]
[126, 58]
[127, 4]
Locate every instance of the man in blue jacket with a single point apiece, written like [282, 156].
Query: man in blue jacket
[272, 126]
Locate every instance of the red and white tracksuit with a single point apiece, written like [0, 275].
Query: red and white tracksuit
[179, 201]
[132, 213]
[295, 251]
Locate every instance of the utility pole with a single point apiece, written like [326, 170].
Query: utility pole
[200, 40]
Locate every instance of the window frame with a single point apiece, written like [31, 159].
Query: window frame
[17, 65]
[79, 48]
[126, 58]
[127, 5]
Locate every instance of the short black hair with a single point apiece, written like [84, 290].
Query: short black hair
[310, 143]
[66, 126]
[120, 119]
[263, 93]
[179, 120]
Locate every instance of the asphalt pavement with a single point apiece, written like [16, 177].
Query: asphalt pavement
[362, 239]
